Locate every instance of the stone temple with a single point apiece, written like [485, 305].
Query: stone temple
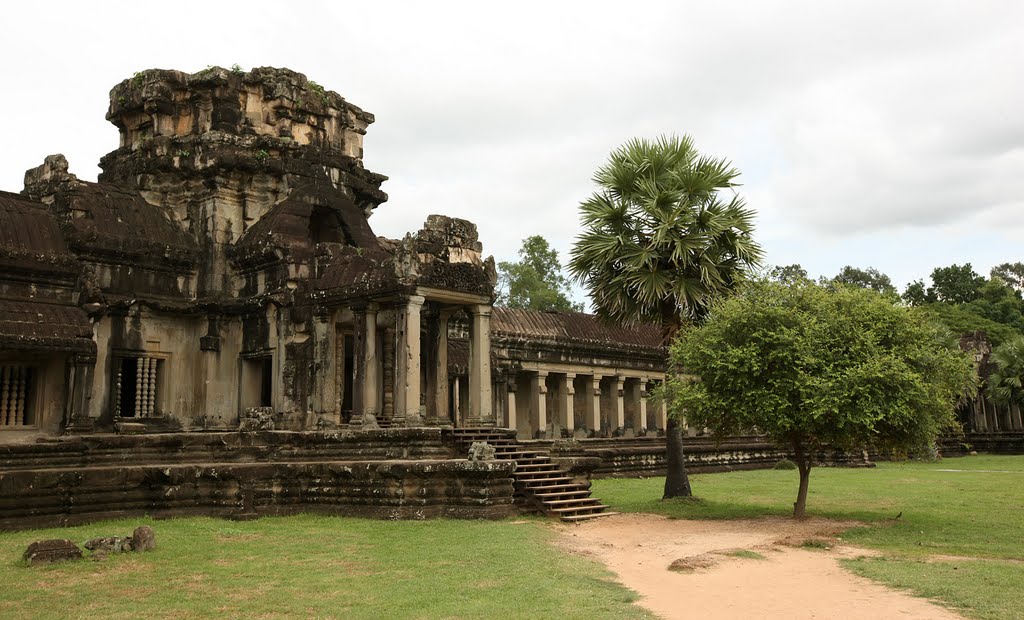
[222, 275]
[214, 327]
[223, 271]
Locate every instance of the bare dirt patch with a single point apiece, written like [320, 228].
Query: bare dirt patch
[710, 581]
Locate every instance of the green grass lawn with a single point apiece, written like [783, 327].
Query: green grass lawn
[976, 514]
[314, 566]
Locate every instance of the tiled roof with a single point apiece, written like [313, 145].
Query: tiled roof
[571, 327]
[110, 219]
[33, 325]
[30, 237]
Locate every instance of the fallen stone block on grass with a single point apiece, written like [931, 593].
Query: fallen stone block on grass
[53, 550]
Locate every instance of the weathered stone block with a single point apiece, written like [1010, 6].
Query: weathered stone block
[53, 550]
[144, 538]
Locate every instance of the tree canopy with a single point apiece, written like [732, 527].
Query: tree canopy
[788, 274]
[966, 302]
[817, 368]
[869, 278]
[663, 236]
[535, 281]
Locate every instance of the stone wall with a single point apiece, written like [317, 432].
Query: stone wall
[380, 489]
[393, 473]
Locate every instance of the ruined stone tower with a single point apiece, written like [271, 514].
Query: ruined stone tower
[219, 148]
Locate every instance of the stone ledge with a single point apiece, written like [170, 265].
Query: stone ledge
[383, 489]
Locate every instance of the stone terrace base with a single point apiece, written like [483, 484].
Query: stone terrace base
[992, 443]
[645, 456]
[334, 473]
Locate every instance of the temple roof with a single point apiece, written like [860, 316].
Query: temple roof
[110, 220]
[30, 237]
[571, 328]
[33, 325]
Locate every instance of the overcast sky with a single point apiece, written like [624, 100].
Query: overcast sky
[884, 134]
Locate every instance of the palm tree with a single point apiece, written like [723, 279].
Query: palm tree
[659, 243]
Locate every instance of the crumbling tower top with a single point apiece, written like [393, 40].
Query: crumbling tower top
[265, 101]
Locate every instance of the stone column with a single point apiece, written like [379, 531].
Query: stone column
[541, 404]
[437, 373]
[407, 363]
[662, 413]
[457, 418]
[620, 411]
[481, 412]
[513, 386]
[371, 366]
[570, 395]
[365, 397]
[594, 417]
[80, 379]
[641, 412]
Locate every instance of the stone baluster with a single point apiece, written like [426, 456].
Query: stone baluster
[139, 395]
[5, 395]
[152, 387]
[19, 399]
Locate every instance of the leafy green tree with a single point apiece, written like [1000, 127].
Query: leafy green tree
[957, 284]
[869, 278]
[916, 294]
[1011, 274]
[663, 236]
[788, 274]
[535, 281]
[1006, 383]
[818, 368]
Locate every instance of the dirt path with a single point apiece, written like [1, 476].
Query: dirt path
[709, 583]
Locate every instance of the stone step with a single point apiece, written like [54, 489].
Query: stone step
[537, 467]
[578, 501]
[578, 518]
[577, 492]
[571, 510]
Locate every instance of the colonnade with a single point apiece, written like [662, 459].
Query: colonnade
[581, 403]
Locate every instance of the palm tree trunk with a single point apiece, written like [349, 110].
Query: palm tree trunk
[677, 481]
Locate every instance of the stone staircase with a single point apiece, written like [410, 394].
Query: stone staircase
[540, 484]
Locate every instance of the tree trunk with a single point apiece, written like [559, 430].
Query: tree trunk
[677, 482]
[803, 465]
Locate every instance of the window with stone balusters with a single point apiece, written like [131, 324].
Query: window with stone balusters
[137, 386]
[16, 382]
